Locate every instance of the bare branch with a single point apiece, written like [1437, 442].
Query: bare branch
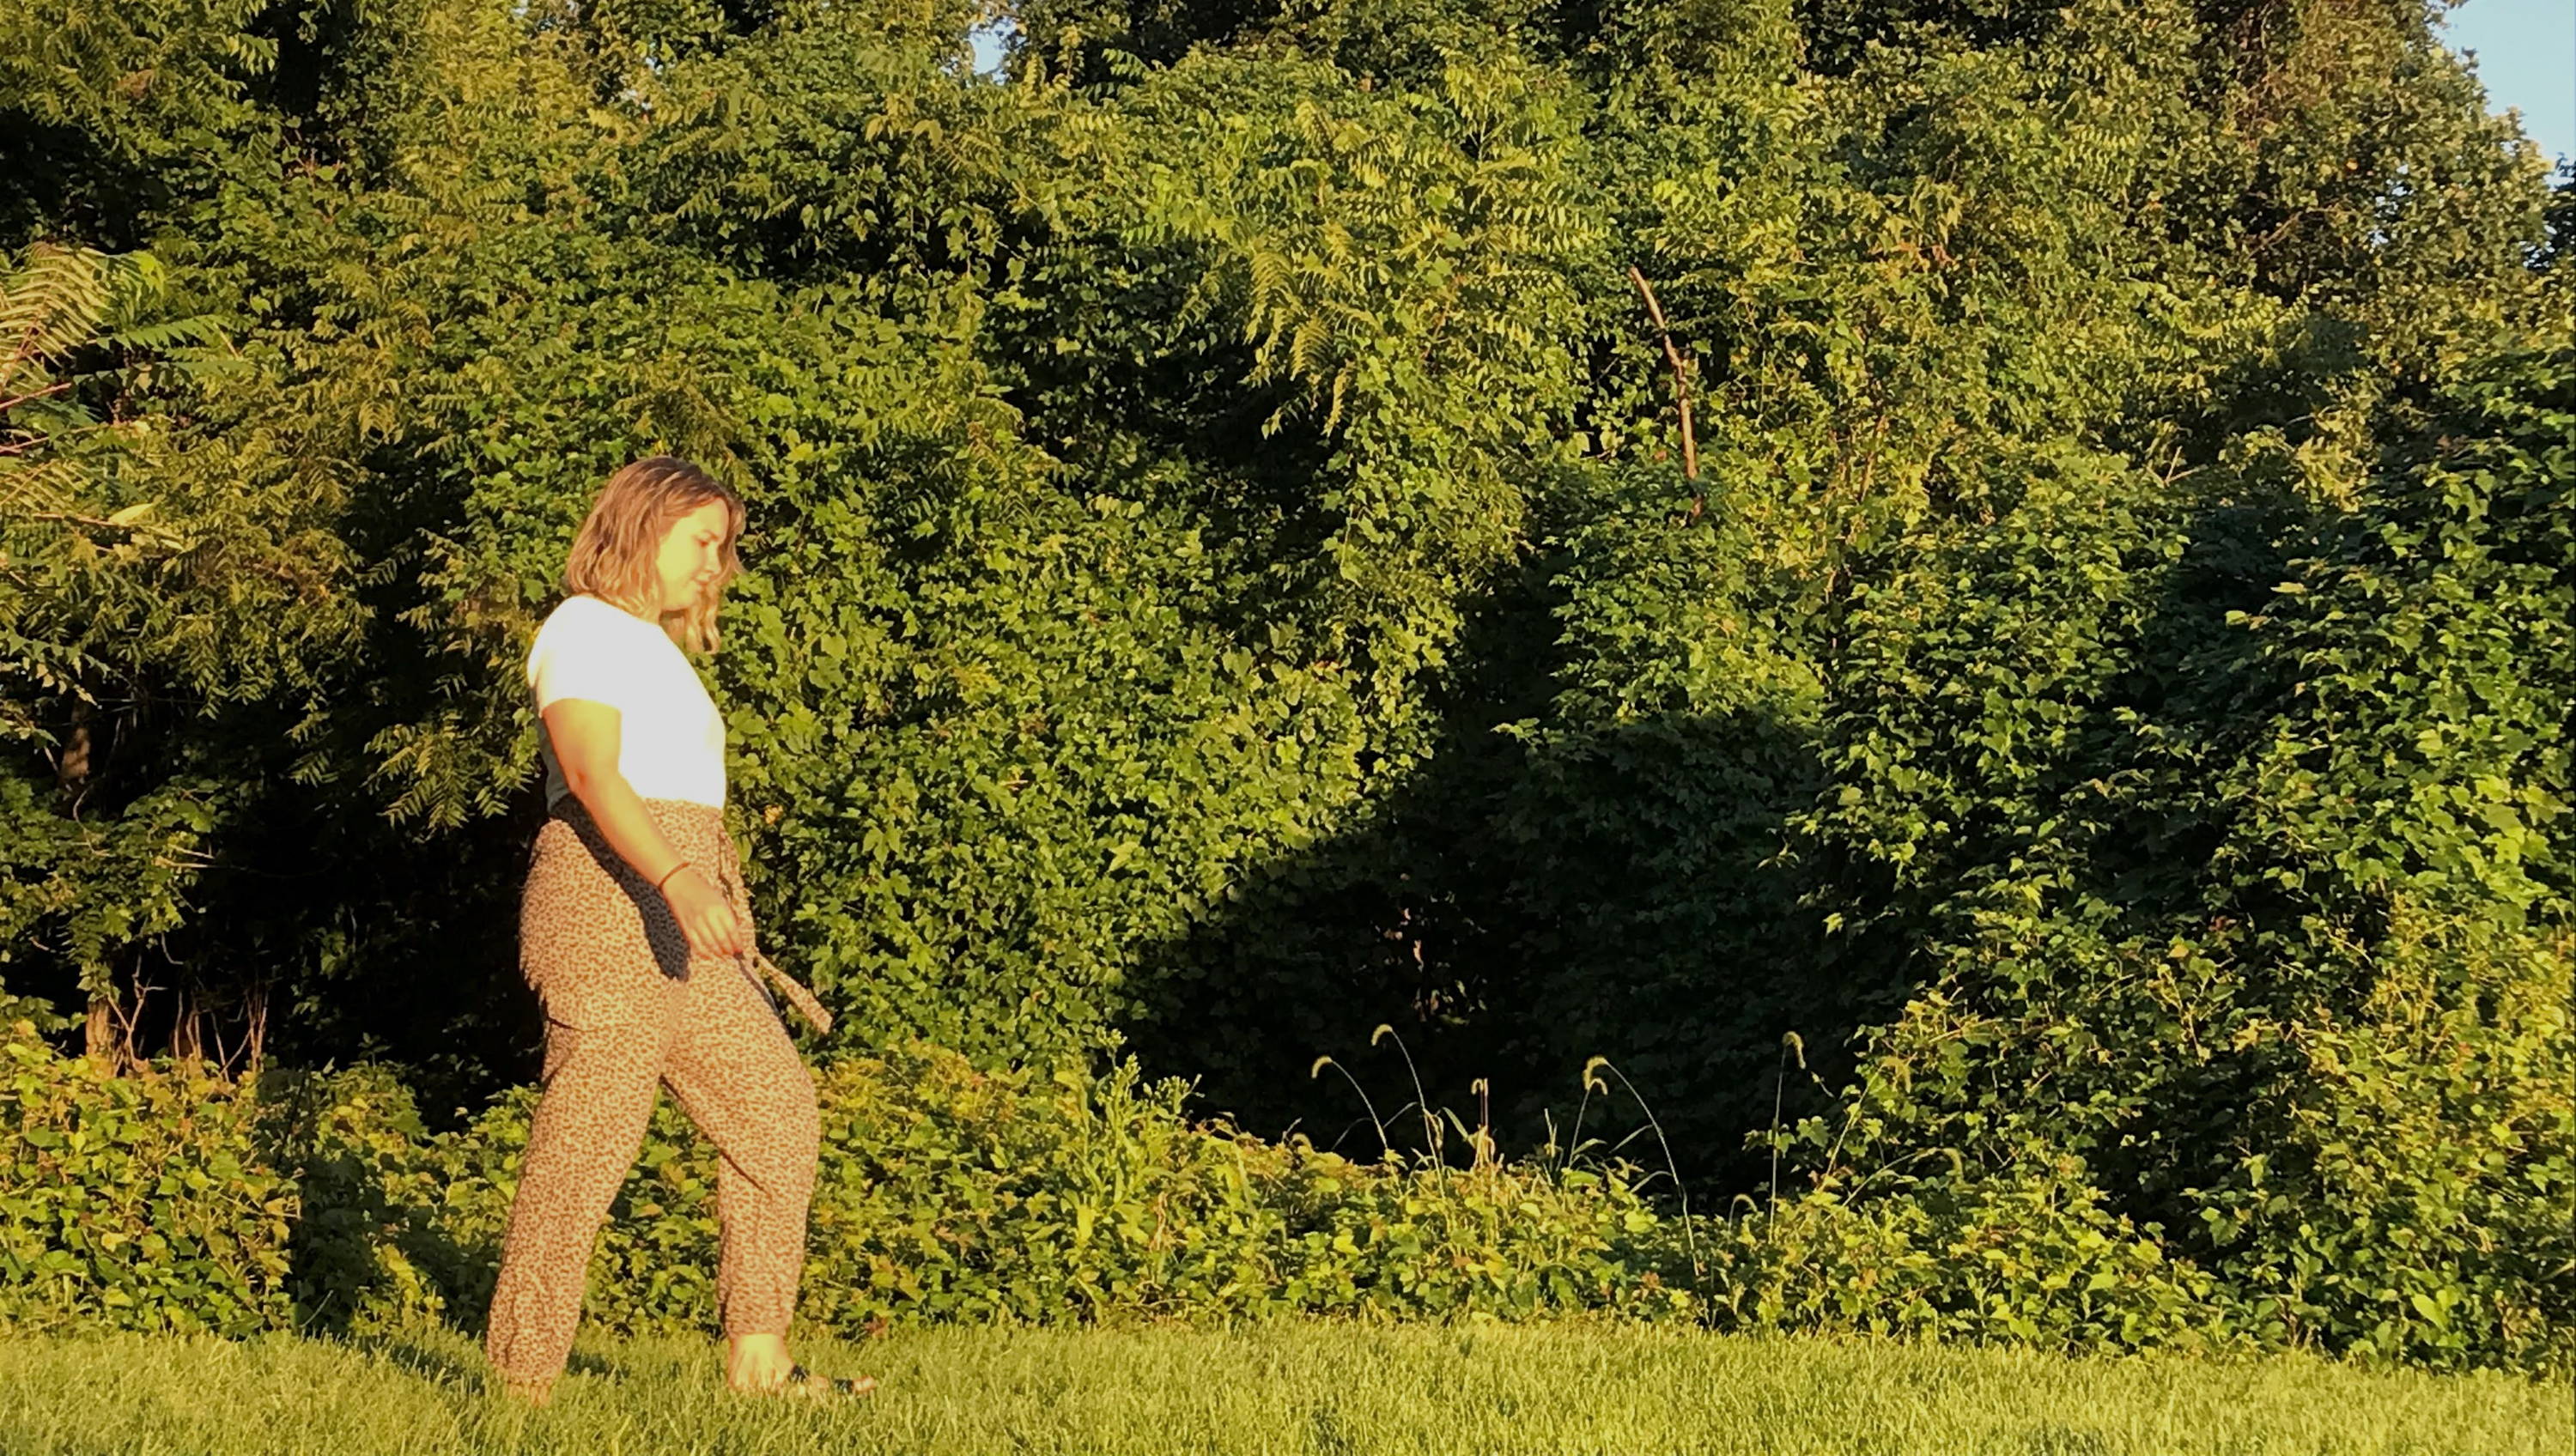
[1681, 382]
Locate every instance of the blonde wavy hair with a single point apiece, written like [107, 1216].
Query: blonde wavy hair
[614, 553]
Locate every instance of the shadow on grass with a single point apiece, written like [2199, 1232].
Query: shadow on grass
[412, 1355]
[416, 1353]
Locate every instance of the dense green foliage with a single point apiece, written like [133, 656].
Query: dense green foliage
[139, 1202]
[2073, 785]
[166, 1200]
[2305, 838]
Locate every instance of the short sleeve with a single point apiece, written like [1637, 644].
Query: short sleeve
[580, 654]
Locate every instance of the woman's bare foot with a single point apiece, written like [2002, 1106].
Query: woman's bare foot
[529, 1393]
[757, 1362]
[760, 1365]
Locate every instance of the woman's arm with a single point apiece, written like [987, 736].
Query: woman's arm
[585, 736]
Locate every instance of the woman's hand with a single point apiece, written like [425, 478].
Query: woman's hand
[587, 739]
[705, 916]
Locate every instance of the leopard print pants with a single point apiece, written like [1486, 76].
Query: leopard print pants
[628, 1010]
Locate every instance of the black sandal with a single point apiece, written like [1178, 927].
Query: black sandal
[804, 1384]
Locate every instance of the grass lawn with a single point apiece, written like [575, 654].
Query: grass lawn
[1286, 1388]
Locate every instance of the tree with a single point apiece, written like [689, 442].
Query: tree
[151, 590]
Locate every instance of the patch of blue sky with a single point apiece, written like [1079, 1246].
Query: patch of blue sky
[2525, 53]
[989, 40]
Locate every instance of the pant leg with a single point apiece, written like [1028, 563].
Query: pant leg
[739, 1078]
[600, 1081]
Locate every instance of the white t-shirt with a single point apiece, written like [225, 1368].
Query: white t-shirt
[670, 736]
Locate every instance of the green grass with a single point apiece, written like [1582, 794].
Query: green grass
[1286, 1388]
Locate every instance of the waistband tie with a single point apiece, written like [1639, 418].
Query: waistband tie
[797, 996]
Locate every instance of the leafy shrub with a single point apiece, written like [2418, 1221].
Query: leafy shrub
[945, 1193]
[140, 1201]
[2230, 832]
[952, 1193]
[2031, 1259]
[949, 1193]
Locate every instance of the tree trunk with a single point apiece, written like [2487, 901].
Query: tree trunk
[256, 1013]
[72, 770]
[188, 1032]
[100, 1032]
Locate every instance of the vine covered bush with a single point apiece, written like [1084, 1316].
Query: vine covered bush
[318, 1201]
[138, 1202]
[2052, 788]
[947, 1193]
[2250, 900]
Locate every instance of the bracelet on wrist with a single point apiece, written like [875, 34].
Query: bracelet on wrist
[666, 874]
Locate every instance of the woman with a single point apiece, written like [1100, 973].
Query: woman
[637, 936]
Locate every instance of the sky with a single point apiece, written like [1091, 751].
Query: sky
[2525, 54]
[987, 41]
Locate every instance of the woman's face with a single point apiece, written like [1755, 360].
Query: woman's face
[692, 552]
